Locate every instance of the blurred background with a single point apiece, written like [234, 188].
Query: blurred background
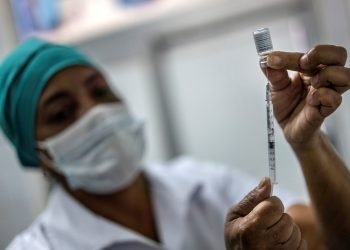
[188, 67]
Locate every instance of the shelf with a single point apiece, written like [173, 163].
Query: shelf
[99, 19]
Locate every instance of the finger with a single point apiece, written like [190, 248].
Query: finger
[314, 97]
[282, 230]
[279, 79]
[295, 239]
[284, 60]
[286, 99]
[328, 101]
[323, 55]
[335, 77]
[246, 205]
[310, 61]
[267, 212]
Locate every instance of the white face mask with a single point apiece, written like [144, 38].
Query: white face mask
[101, 152]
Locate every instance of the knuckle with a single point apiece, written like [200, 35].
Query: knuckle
[230, 237]
[316, 51]
[347, 74]
[343, 52]
[276, 236]
[333, 98]
[249, 226]
[287, 220]
[302, 245]
[314, 54]
[326, 71]
[298, 232]
[254, 222]
[251, 196]
[251, 199]
[245, 232]
[283, 229]
[276, 204]
[318, 48]
[278, 77]
[232, 232]
[231, 214]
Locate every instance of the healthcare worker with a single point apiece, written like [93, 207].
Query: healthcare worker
[59, 112]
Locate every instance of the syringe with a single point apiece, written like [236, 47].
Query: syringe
[263, 45]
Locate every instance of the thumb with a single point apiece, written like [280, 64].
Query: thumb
[251, 200]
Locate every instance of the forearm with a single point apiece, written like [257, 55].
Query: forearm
[328, 182]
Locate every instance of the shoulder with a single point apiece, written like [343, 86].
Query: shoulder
[32, 238]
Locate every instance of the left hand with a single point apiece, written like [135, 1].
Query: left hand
[302, 102]
[258, 222]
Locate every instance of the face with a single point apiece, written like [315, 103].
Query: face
[68, 96]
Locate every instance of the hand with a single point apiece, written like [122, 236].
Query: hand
[302, 102]
[258, 222]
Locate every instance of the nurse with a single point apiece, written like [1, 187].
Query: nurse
[58, 111]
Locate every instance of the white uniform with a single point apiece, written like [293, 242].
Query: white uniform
[190, 199]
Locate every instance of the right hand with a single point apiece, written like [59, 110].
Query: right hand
[258, 222]
[303, 101]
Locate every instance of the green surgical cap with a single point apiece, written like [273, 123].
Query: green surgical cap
[23, 76]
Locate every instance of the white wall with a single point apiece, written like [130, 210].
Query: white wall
[22, 193]
[7, 29]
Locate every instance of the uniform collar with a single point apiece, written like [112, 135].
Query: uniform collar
[65, 218]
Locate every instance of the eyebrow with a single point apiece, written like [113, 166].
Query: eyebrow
[94, 76]
[57, 96]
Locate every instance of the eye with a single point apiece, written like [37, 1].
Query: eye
[66, 113]
[102, 92]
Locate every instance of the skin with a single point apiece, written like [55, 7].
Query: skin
[67, 97]
[301, 103]
[259, 222]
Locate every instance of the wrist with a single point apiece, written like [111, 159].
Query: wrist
[313, 144]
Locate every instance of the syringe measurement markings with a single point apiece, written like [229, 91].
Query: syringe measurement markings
[271, 135]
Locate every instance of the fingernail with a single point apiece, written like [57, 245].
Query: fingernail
[263, 183]
[314, 80]
[274, 61]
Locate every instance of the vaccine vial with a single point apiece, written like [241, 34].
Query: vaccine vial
[263, 43]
